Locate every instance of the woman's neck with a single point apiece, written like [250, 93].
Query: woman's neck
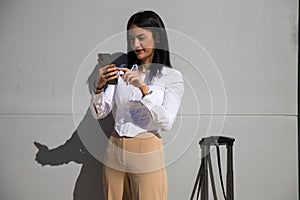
[145, 64]
[144, 67]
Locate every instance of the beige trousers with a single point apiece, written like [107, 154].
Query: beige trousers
[134, 168]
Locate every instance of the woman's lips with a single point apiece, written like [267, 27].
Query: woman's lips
[138, 51]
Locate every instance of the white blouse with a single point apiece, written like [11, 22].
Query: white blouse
[136, 114]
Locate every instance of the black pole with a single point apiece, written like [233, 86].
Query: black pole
[229, 184]
[204, 186]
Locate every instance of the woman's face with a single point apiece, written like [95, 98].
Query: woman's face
[142, 43]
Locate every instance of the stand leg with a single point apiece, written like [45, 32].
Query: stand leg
[212, 180]
[204, 186]
[229, 183]
[197, 183]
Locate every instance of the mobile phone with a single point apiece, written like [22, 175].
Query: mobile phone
[106, 59]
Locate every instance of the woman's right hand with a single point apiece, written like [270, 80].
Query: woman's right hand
[107, 73]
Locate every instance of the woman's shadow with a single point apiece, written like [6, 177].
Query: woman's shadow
[89, 184]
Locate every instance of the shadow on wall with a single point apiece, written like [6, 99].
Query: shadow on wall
[89, 184]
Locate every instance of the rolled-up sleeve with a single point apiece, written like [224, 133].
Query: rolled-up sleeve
[164, 104]
[101, 104]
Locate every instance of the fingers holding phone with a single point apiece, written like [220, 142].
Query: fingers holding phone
[107, 73]
[108, 70]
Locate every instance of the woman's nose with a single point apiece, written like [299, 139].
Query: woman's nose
[136, 43]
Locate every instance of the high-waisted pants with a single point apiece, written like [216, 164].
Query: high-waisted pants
[134, 168]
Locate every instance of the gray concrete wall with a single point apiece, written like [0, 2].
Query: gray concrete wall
[239, 62]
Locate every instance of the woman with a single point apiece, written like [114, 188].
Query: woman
[148, 97]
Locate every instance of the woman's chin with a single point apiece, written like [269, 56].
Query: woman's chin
[140, 57]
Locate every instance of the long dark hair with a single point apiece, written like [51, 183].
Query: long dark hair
[151, 21]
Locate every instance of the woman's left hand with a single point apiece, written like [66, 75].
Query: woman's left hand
[132, 77]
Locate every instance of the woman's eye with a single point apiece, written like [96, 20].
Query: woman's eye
[141, 37]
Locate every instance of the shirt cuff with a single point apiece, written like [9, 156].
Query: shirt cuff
[97, 97]
[155, 97]
[94, 105]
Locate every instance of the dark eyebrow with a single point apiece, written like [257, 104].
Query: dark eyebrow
[142, 34]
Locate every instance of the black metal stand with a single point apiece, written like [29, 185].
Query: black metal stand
[206, 166]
